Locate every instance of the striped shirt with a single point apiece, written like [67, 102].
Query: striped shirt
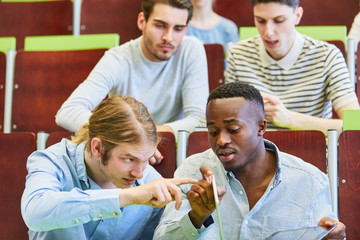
[311, 79]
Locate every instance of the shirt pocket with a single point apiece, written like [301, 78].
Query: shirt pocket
[275, 223]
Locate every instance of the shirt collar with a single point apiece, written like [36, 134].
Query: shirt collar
[270, 146]
[289, 60]
[80, 164]
[93, 185]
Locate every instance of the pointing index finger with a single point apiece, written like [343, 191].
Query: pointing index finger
[181, 181]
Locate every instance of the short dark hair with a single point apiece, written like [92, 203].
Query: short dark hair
[148, 5]
[291, 3]
[238, 89]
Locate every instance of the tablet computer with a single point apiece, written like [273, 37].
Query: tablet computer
[217, 205]
[308, 233]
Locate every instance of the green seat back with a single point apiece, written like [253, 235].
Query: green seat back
[351, 119]
[324, 33]
[70, 42]
[248, 32]
[7, 43]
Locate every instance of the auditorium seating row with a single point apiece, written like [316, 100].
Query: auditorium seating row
[34, 106]
[309, 145]
[39, 81]
[22, 85]
[30, 78]
[21, 18]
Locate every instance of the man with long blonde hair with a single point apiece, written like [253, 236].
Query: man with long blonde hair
[99, 185]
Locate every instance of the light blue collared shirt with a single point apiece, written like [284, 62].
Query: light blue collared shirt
[61, 202]
[298, 196]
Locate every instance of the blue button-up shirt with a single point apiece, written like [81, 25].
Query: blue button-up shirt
[61, 202]
[298, 196]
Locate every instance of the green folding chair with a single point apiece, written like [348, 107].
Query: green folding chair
[71, 42]
[324, 33]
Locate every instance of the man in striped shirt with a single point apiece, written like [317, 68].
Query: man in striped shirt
[301, 79]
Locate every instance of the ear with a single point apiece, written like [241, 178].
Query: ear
[96, 147]
[141, 21]
[186, 27]
[261, 127]
[299, 13]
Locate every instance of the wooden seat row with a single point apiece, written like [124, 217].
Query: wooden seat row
[35, 18]
[16, 147]
[38, 18]
[43, 80]
[242, 14]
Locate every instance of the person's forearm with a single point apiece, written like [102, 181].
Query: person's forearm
[301, 121]
[164, 128]
[195, 89]
[355, 29]
[175, 224]
[128, 196]
[48, 210]
[76, 110]
[197, 220]
[188, 124]
[72, 119]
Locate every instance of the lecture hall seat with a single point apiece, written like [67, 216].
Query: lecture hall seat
[215, 60]
[111, 16]
[324, 33]
[20, 19]
[43, 80]
[197, 142]
[56, 136]
[307, 145]
[241, 12]
[71, 42]
[14, 149]
[357, 80]
[340, 45]
[46, 73]
[349, 182]
[2, 88]
[167, 147]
